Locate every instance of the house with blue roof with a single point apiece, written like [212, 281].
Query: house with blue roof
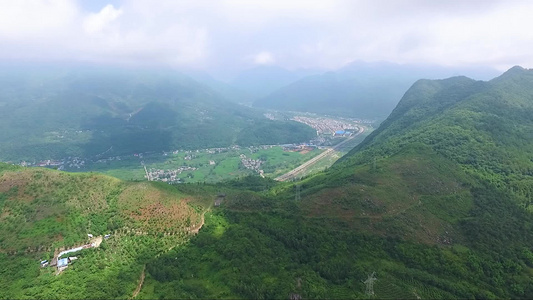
[62, 263]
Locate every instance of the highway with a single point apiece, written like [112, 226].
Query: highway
[329, 151]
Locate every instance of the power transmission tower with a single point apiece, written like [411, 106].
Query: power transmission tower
[370, 284]
[297, 197]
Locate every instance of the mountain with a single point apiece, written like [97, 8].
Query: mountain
[226, 90]
[50, 113]
[43, 212]
[364, 90]
[435, 203]
[263, 80]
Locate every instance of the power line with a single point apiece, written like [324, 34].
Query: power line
[370, 284]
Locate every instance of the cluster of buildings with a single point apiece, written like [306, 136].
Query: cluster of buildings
[251, 164]
[326, 125]
[49, 163]
[169, 176]
[71, 162]
[344, 133]
[63, 262]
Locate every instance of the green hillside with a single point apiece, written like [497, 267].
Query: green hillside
[44, 211]
[52, 113]
[435, 202]
[485, 127]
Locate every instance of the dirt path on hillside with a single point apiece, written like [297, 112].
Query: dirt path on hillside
[196, 229]
[97, 241]
[140, 285]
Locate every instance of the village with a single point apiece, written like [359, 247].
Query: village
[69, 162]
[328, 126]
[169, 176]
[328, 133]
[252, 164]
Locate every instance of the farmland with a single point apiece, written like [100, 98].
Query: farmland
[206, 165]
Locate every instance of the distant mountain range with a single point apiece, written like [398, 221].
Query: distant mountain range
[52, 112]
[264, 80]
[364, 90]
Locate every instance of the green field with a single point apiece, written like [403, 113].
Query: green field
[227, 163]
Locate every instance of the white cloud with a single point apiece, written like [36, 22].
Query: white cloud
[95, 23]
[263, 58]
[23, 19]
[301, 33]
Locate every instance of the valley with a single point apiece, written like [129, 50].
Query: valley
[431, 203]
[324, 149]
[324, 156]
[335, 137]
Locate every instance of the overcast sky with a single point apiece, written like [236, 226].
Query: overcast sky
[233, 35]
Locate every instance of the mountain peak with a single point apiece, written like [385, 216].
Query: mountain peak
[513, 73]
[516, 69]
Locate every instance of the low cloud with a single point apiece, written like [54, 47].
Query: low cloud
[95, 23]
[301, 33]
[264, 58]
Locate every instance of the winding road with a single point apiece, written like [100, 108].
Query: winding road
[293, 173]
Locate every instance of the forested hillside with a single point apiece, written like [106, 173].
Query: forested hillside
[54, 112]
[44, 211]
[436, 202]
[485, 127]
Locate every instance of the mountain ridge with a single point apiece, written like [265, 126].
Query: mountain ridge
[82, 112]
[364, 90]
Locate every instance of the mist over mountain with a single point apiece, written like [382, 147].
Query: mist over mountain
[364, 90]
[83, 111]
[226, 90]
[263, 80]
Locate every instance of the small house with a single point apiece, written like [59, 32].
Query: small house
[62, 263]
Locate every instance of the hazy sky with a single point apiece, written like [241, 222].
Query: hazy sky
[232, 35]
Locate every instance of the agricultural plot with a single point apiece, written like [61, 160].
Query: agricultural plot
[206, 165]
